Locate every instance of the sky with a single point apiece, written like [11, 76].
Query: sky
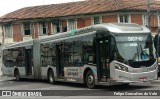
[7, 6]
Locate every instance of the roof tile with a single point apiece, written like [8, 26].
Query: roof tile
[80, 7]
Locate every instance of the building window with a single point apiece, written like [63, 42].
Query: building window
[27, 29]
[7, 30]
[57, 27]
[96, 20]
[71, 24]
[123, 18]
[145, 20]
[43, 28]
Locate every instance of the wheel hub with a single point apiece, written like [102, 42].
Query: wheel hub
[90, 79]
[51, 78]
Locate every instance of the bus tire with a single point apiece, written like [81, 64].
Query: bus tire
[17, 75]
[51, 78]
[90, 80]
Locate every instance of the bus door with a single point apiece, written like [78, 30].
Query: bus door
[103, 59]
[28, 61]
[59, 60]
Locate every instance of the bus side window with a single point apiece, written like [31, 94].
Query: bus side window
[73, 52]
[112, 49]
[87, 47]
[77, 52]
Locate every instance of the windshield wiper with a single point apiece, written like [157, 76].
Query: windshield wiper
[136, 55]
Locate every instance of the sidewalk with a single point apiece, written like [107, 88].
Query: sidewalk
[156, 81]
[3, 78]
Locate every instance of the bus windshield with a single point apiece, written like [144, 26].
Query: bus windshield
[135, 49]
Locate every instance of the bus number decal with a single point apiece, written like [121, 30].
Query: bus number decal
[135, 38]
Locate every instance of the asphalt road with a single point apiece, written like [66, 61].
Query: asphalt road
[75, 91]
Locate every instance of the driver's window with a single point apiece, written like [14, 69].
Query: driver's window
[112, 49]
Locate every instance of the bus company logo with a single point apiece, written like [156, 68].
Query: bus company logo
[6, 93]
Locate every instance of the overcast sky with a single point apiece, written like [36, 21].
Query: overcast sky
[7, 6]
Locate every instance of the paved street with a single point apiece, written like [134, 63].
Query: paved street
[72, 91]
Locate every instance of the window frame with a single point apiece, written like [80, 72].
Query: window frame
[124, 18]
[94, 19]
[5, 27]
[28, 29]
[71, 24]
[42, 26]
[56, 25]
[145, 19]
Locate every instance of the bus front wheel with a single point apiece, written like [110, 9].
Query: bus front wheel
[51, 77]
[90, 80]
[17, 75]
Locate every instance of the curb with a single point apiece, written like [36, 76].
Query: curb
[6, 78]
[156, 81]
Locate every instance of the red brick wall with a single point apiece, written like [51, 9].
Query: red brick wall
[17, 33]
[80, 23]
[154, 23]
[109, 18]
[49, 28]
[136, 18]
[87, 21]
[64, 24]
[35, 30]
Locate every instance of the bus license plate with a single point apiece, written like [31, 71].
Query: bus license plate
[143, 79]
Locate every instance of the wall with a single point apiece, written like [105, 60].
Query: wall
[17, 33]
[109, 18]
[136, 18]
[81, 22]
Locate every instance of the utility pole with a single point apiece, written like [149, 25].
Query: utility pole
[157, 46]
[148, 12]
[43, 2]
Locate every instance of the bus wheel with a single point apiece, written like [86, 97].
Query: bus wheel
[17, 75]
[51, 77]
[90, 80]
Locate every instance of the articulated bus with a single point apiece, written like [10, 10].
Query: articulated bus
[103, 54]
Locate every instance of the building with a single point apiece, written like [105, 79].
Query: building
[38, 21]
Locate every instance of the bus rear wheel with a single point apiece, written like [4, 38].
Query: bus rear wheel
[17, 75]
[90, 80]
[51, 77]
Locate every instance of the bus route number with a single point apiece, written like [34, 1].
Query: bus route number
[135, 38]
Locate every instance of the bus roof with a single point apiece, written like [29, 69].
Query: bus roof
[115, 28]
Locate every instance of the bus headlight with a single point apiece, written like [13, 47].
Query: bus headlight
[153, 68]
[120, 67]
